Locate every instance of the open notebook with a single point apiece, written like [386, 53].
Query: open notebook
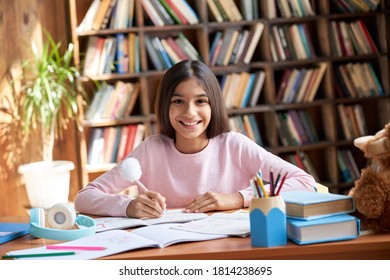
[117, 241]
[170, 216]
[234, 224]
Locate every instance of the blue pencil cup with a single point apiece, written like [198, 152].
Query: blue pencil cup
[268, 222]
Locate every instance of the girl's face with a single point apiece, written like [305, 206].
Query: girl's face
[190, 114]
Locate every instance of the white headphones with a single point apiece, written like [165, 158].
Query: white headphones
[61, 218]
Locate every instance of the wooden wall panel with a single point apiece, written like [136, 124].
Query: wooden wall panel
[20, 22]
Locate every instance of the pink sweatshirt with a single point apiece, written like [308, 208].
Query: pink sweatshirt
[226, 165]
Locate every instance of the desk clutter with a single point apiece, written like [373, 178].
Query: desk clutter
[323, 224]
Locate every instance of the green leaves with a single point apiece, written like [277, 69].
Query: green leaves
[49, 92]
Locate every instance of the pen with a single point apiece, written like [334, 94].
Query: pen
[38, 255]
[142, 186]
[87, 248]
[271, 185]
[277, 179]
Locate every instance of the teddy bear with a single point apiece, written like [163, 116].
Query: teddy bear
[371, 191]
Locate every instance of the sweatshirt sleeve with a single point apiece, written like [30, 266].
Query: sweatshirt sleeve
[102, 196]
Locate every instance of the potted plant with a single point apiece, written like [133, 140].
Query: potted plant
[48, 99]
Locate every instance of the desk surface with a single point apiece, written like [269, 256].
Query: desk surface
[366, 247]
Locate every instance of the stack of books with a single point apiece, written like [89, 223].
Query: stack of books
[320, 217]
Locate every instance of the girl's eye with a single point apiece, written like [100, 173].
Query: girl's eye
[177, 101]
[202, 101]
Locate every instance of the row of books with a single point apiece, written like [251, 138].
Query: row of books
[169, 12]
[314, 217]
[112, 54]
[300, 85]
[247, 125]
[351, 38]
[164, 52]
[111, 14]
[233, 46]
[302, 160]
[294, 8]
[357, 80]
[113, 144]
[113, 101]
[295, 127]
[353, 122]
[291, 42]
[356, 6]
[227, 10]
[347, 165]
[243, 89]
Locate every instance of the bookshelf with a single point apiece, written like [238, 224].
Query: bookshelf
[315, 97]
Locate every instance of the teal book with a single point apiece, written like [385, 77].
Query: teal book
[329, 229]
[306, 205]
[11, 231]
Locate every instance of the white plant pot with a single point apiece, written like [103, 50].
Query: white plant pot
[47, 183]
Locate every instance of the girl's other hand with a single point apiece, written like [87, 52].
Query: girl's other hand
[211, 201]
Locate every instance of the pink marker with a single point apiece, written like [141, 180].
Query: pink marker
[86, 248]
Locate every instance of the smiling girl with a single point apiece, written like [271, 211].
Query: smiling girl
[195, 162]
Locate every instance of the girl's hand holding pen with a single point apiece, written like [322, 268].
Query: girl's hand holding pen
[147, 205]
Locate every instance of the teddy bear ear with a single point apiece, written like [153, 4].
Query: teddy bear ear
[363, 141]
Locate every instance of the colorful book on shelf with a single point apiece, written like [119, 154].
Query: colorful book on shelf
[161, 52]
[256, 130]
[187, 47]
[122, 143]
[11, 231]
[174, 11]
[108, 15]
[313, 205]
[257, 87]
[87, 22]
[117, 241]
[152, 13]
[100, 14]
[187, 11]
[329, 229]
[162, 12]
[95, 146]
[257, 31]
[214, 11]
[176, 48]
[248, 90]
[153, 55]
[110, 46]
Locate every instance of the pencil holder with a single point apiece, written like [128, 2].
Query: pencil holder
[268, 222]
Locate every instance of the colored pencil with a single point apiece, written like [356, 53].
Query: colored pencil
[87, 248]
[281, 184]
[260, 182]
[38, 255]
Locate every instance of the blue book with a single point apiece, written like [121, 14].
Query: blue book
[120, 53]
[306, 205]
[10, 231]
[333, 228]
[248, 90]
[217, 37]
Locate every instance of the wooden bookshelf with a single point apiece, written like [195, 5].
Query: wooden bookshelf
[316, 53]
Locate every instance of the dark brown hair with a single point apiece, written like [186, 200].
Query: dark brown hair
[183, 71]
